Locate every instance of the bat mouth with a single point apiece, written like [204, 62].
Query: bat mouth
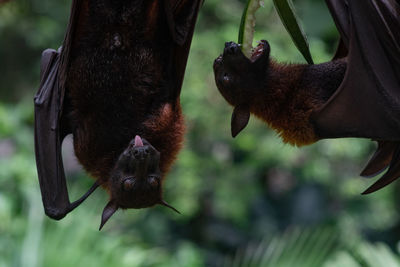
[233, 54]
[260, 50]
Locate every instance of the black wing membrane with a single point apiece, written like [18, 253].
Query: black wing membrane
[393, 172]
[380, 160]
[181, 17]
[51, 127]
[367, 104]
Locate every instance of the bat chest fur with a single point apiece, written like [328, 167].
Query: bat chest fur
[114, 38]
[112, 77]
[116, 25]
[112, 92]
[116, 42]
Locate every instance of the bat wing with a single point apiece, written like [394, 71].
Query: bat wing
[51, 127]
[51, 124]
[181, 17]
[367, 103]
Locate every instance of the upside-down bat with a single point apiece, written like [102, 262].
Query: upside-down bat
[115, 85]
[357, 94]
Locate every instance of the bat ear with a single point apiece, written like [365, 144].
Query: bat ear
[108, 211]
[240, 119]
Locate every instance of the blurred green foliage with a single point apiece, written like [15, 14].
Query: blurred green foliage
[318, 247]
[230, 192]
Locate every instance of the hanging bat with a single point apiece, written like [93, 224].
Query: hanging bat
[114, 85]
[356, 94]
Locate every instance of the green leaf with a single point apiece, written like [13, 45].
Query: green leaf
[247, 24]
[296, 247]
[286, 12]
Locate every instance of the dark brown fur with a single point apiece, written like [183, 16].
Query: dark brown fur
[282, 95]
[118, 88]
[291, 92]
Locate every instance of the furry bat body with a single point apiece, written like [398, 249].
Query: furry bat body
[114, 85]
[283, 95]
[352, 96]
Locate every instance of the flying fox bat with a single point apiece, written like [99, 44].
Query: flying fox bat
[357, 94]
[115, 85]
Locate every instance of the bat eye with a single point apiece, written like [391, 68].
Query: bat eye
[153, 181]
[128, 184]
[226, 78]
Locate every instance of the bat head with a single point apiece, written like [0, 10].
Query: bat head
[238, 77]
[136, 180]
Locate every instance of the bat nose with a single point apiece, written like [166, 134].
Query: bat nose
[231, 48]
[141, 152]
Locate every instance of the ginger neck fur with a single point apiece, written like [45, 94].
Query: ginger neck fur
[291, 92]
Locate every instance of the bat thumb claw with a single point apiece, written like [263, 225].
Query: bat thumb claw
[164, 203]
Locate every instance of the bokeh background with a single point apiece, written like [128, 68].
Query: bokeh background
[252, 201]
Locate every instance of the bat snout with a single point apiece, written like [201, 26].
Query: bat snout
[233, 58]
[141, 153]
[140, 148]
[231, 48]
